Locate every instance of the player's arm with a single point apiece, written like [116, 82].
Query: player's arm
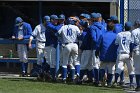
[29, 31]
[99, 45]
[54, 28]
[60, 31]
[93, 34]
[33, 35]
[117, 40]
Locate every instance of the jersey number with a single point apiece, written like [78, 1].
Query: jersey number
[69, 32]
[124, 40]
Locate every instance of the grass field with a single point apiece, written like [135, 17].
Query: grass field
[33, 86]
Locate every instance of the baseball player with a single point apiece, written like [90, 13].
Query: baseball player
[124, 40]
[51, 44]
[69, 35]
[22, 31]
[96, 30]
[107, 52]
[39, 35]
[86, 57]
[118, 28]
[136, 52]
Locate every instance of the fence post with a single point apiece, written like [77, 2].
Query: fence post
[122, 12]
[57, 58]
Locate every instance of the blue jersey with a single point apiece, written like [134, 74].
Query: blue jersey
[96, 30]
[51, 38]
[118, 28]
[105, 26]
[27, 30]
[86, 40]
[108, 49]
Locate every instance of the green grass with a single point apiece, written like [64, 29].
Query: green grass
[32, 86]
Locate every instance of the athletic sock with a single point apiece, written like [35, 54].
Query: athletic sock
[122, 76]
[101, 74]
[96, 75]
[53, 74]
[110, 77]
[64, 73]
[138, 80]
[116, 77]
[77, 69]
[131, 78]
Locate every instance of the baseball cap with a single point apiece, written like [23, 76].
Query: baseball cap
[94, 15]
[54, 17]
[46, 18]
[61, 16]
[128, 24]
[88, 16]
[70, 21]
[83, 15]
[18, 20]
[99, 14]
[114, 17]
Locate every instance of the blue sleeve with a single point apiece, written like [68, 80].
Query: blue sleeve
[54, 28]
[93, 34]
[132, 46]
[29, 31]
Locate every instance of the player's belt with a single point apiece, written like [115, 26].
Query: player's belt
[123, 53]
[70, 42]
[41, 41]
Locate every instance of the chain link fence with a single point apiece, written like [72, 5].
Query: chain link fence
[132, 10]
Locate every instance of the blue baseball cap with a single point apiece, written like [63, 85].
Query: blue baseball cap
[46, 18]
[114, 17]
[61, 16]
[18, 20]
[128, 24]
[70, 21]
[94, 15]
[83, 15]
[54, 17]
[99, 14]
[88, 16]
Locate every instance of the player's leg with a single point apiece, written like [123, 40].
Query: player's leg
[103, 66]
[90, 67]
[96, 67]
[84, 62]
[66, 53]
[76, 63]
[22, 53]
[76, 59]
[40, 60]
[53, 63]
[122, 76]
[111, 71]
[129, 63]
[119, 68]
[137, 70]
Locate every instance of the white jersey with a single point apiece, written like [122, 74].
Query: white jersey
[136, 38]
[39, 34]
[124, 40]
[69, 33]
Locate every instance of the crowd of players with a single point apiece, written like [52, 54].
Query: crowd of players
[89, 46]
